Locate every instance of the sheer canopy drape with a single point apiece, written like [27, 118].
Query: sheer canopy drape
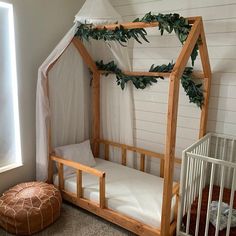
[68, 106]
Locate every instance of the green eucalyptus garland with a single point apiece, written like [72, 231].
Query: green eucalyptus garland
[167, 22]
[193, 90]
[119, 34]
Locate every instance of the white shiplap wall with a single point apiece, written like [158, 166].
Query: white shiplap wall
[151, 104]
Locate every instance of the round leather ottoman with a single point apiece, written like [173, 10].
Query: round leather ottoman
[29, 207]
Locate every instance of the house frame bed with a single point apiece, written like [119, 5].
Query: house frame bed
[167, 160]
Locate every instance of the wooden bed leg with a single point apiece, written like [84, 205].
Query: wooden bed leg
[61, 176]
[49, 131]
[107, 152]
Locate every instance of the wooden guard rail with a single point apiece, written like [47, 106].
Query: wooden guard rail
[100, 174]
[79, 169]
[143, 153]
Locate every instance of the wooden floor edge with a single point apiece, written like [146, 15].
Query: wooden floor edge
[112, 216]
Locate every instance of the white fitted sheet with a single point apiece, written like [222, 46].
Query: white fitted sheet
[128, 191]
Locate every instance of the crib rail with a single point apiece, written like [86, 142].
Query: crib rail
[79, 169]
[208, 162]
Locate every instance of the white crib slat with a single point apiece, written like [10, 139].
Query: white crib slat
[209, 146]
[195, 176]
[224, 157]
[220, 200]
[193, 180]
[198, 179]
[229, 174]
[186, 190]
[231, 202]
[189, 195]
[205, 164]
[205, 148]
[209, 197]
[205, 174]
[216, 156]
[199, 199]
[183, 190]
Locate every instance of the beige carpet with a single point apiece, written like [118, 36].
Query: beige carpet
[77, 222]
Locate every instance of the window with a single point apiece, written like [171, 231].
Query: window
[10, 147]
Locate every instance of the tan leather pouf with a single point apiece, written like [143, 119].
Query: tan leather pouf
[29, 207]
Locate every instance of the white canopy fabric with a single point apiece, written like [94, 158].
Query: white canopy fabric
[68, 104]
[97, 12]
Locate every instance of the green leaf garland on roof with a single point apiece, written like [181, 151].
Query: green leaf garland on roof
[193, 90]
[167, 23]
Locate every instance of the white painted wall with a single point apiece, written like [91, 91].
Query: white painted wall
[40, 24]
[151, 104]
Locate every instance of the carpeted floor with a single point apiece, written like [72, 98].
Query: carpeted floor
[77, 222]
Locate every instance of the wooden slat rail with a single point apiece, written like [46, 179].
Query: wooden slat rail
[124, 156]
[107, 152]
[142, 162]
[133, 149]
[79, 168]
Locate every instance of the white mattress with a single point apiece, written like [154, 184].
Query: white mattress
[128, 191]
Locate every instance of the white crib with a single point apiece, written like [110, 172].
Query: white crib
[209, 162]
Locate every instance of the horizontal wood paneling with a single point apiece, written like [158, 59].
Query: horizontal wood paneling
[151, 104]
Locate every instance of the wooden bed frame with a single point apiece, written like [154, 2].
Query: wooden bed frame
[167, 159]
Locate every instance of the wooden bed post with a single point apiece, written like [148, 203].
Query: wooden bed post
[207, 81]
[49, 129]
[170, 153]
[172, 124]
[96, 114]
[95, 93]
